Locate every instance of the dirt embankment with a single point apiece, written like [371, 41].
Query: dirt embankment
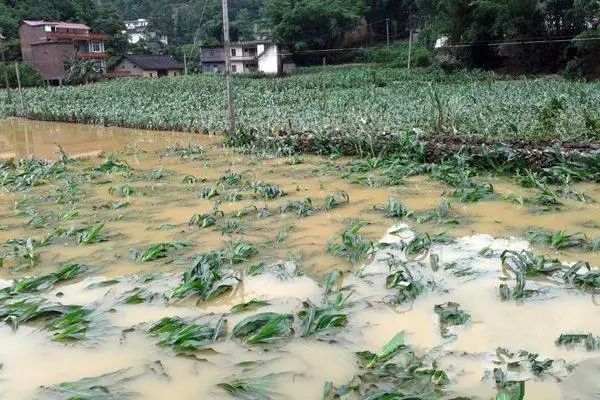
[531, 153]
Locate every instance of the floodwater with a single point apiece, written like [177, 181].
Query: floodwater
[158, 211]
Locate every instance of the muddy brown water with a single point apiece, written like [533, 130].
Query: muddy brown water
[159, 211]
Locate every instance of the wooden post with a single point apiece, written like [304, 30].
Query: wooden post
[184, 64]
[19, 88]
[228, 71]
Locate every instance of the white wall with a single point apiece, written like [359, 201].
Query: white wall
[268, 59]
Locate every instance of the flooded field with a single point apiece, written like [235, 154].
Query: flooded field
[171, 266]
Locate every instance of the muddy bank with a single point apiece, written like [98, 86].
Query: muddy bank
[530, 153]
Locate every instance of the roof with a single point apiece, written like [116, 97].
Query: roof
[148, 62]
[59, 24]
[250, 43]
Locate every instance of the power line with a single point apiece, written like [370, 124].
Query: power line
[519, 42]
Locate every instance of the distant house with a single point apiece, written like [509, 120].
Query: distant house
[137, 30]
[147, 66]
[49, 46]
[246, 58]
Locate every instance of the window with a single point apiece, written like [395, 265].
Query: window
[96, 47]
[234, 68]
[233, 52]
[211, 53]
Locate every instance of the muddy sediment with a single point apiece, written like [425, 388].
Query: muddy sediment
[158, 210]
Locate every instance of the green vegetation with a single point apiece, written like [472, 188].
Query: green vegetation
[351, 245]
[264, 328]
[324, 104]
[185, 337]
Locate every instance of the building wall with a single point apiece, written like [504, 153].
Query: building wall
[133, 70]
[50, 58]
[269, 60]
[210, 67]
[127, 66]
[27, 36]
[210, 54]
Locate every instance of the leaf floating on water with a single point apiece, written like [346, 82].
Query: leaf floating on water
[249, 306]
[264, 328]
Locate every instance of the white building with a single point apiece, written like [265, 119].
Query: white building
[246, 57]
[137, 30]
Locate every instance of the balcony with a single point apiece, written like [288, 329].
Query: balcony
[77, 36]
[93, 56]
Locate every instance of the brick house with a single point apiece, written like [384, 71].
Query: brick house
[147, 66]
[48, 46]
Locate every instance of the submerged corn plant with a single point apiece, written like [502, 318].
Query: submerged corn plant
[395, 372]
[206, 220]
[24, 250]
[441, 215]
[123, 191]
[302, 208]
[184, 336]
[264, 328]
[450, 315]
[529, 263]
[209, 192]
[158, 250]
[333, 200]
[70, 326]
[254, 388]
[206, 279]
[110, 386]
[587, 340]
[44, 282]
[251, 305]
[230, 179]
[351, 245]
[317, 320]
[558, 239]
[92, 235]
[395, 209]
[408, 288]
[238, 251]
[191, 151]
[267, 191]
[112, 164]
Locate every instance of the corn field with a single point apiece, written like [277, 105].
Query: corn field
[348, 101]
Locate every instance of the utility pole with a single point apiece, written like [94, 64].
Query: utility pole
[226, 47]
[5, 68]
[387, 30]
[19, 87]
[410, 36]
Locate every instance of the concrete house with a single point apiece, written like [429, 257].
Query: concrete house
[246, 58]
[48, 46]
[137, 30]
[147, 66]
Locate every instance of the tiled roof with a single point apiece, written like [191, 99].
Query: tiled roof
[149, 62]
[59, 24]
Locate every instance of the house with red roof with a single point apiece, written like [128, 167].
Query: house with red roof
[50, 46]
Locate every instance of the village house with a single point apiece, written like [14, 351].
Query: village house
[147, 66]
[246, 58]
[50, 46]
[137, 30]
